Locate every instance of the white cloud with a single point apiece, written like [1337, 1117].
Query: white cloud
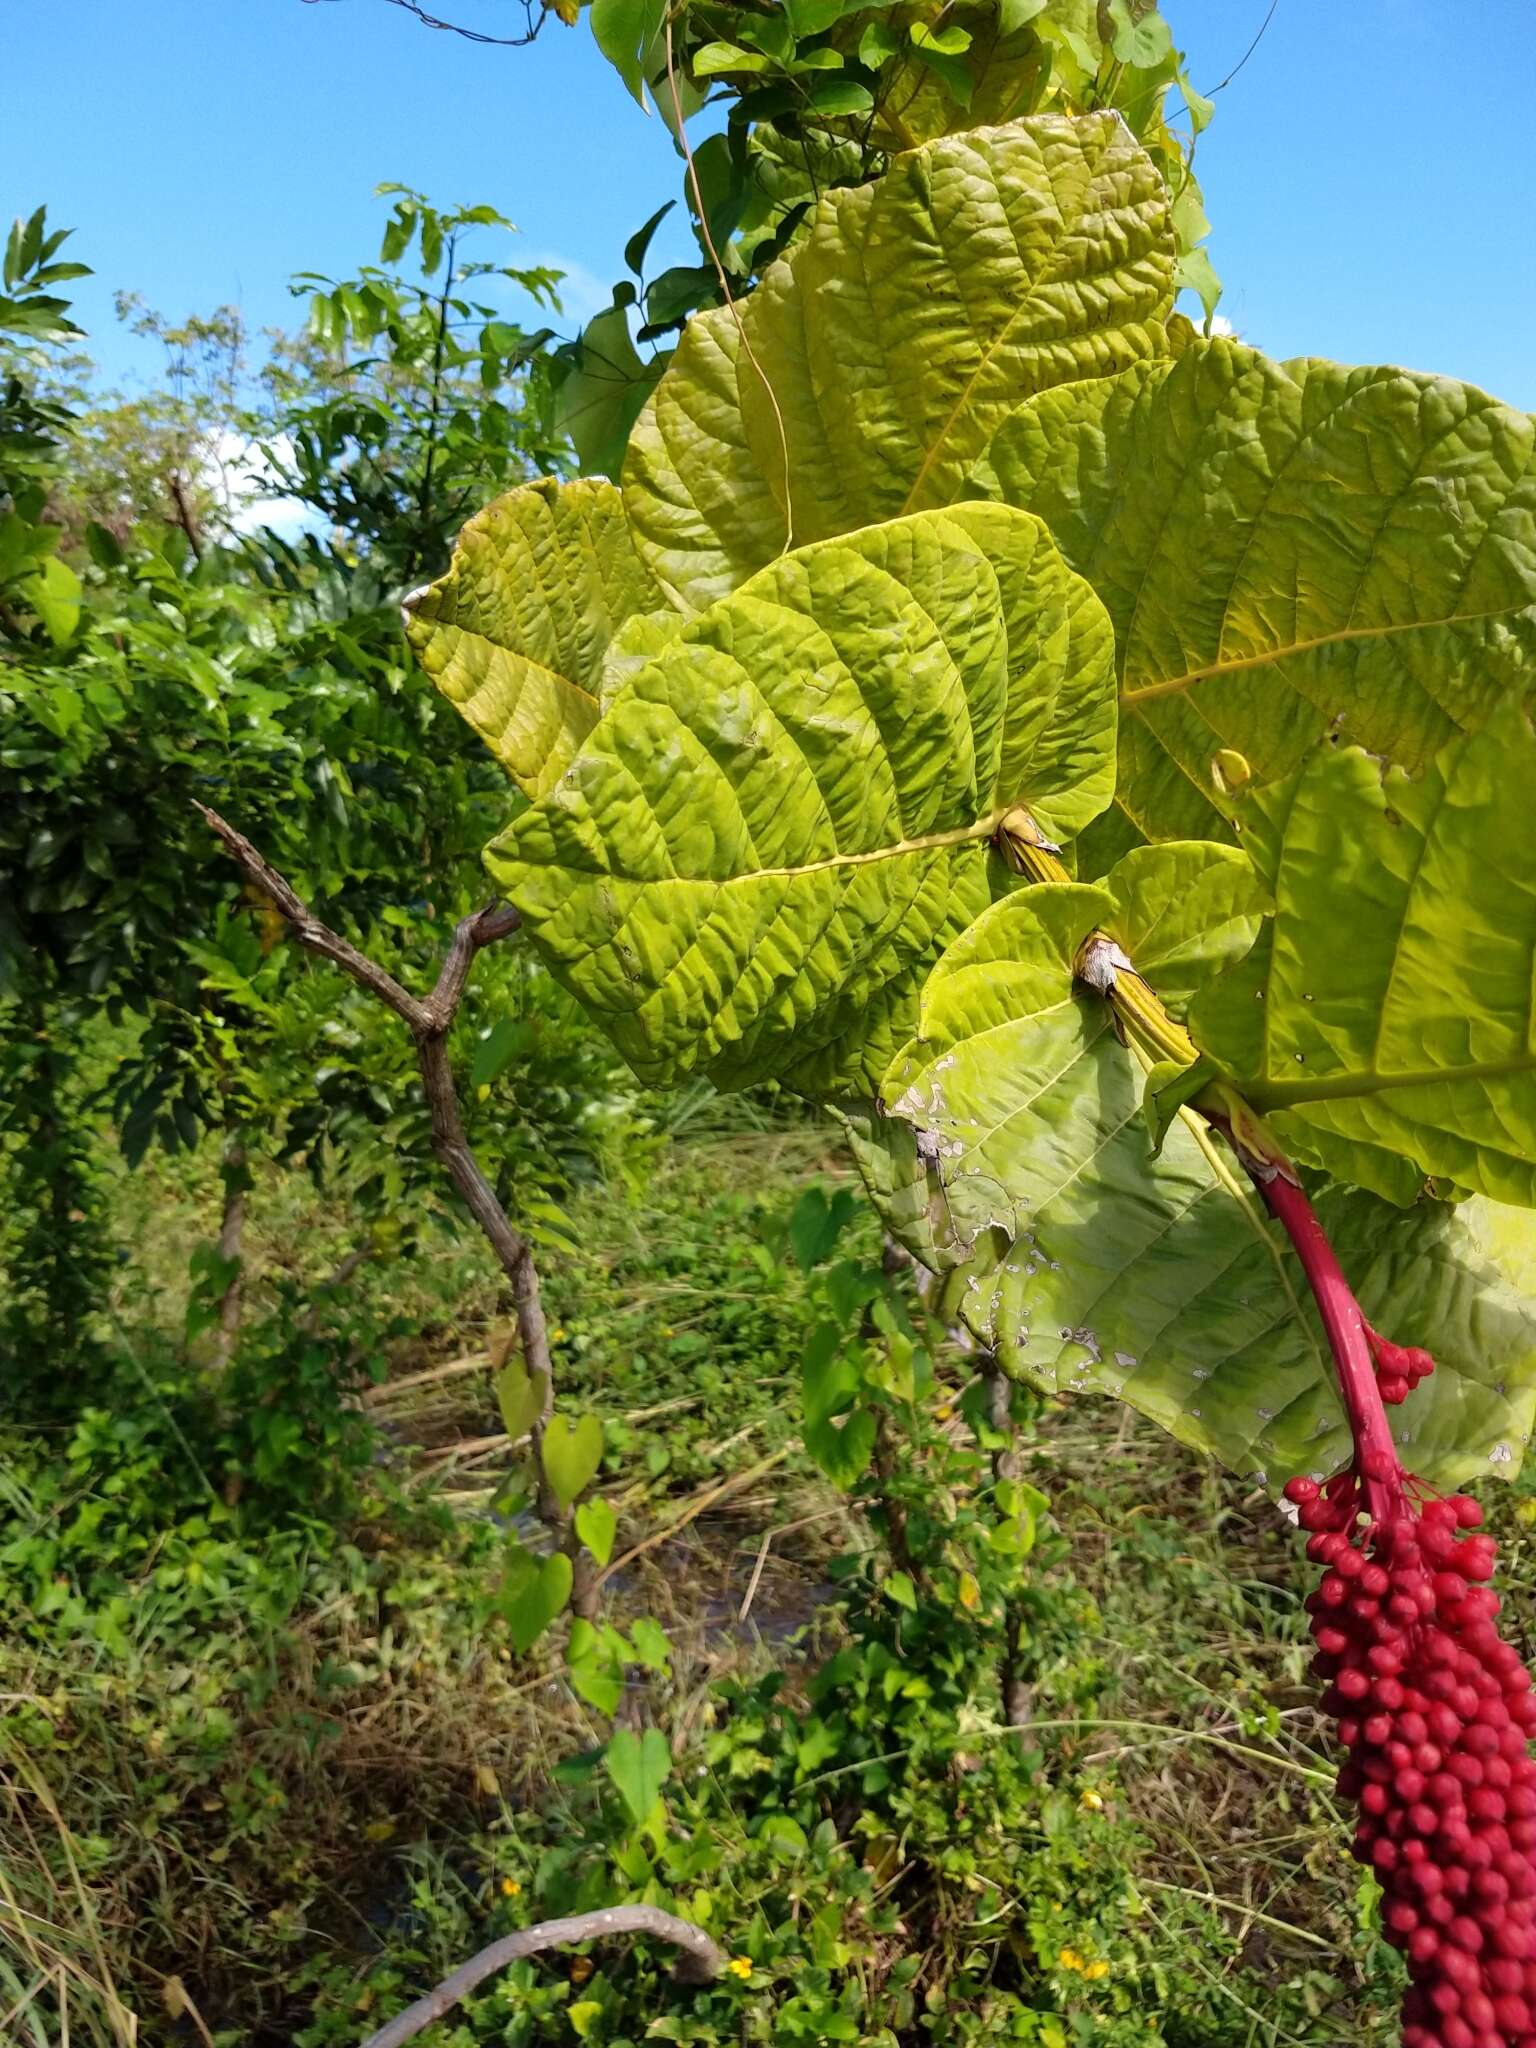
[246, 482]
[582, 295]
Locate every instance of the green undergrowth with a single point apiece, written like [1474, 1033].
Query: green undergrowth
[269, 1765]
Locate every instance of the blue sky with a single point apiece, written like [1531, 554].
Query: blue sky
[1370, 173]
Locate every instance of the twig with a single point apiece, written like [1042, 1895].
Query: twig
[695, 1507]
[387, 1390]
[184, 517]
[471, 35]
[1263, 26]
[700, 1961]
[783, 1529]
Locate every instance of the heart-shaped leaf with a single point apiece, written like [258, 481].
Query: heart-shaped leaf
[596, 1525]
[843, 1448]
[520, 1397]
[639, 1766]
[595, 1662]
[533, 1592]
[571, 1453]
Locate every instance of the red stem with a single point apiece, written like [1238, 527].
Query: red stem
[1376, 1459]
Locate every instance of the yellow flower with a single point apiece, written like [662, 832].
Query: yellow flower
[1095, 1970]
[943, 1412]
[1090, 1800]
[1069, 1959]
[510, 1887]
[740, 1966]
[557, 1336]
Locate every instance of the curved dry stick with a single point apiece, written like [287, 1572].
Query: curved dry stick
[700, 1961]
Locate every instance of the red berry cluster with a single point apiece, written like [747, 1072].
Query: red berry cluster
[1399, 1367]
[1435, 1711]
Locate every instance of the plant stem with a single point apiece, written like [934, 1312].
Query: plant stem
[1376, 1456]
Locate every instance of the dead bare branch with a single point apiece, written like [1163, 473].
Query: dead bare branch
[700, 1960]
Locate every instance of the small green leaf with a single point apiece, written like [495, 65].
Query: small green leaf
[54, 594]
[839, 96]
[596, 1525]
[595, 1663]
[1200, 108]
[1196, 273]
[1016, 14]
[713, 58]
[624, 30]
[897, 1586]
[636, 248]
[1140, 39]
[843, 1448]
[520, 1397]
[878, 44]
[650, 1644]
[604, 390]
[493, 1052]
[536, 1596]
[583, 2015]
[571, 1453]
[816, 1224]
[639, 1766]
[949, 42]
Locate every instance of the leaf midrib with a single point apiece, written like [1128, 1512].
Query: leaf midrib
[959, 835]
[1173, 686]
[1275, 1095]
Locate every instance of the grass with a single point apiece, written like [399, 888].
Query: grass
[248, 1802]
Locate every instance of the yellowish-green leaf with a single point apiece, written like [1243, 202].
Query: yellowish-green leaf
[870, 369]
[571, 1453]
[1287, 551]
[516, 633]
[788, 813]
[520, 1397]
[1385, 1021]
[1013, 1158]
[596, 1525]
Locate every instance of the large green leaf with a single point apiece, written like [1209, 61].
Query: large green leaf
[869, 370]
[787, 813]
[1286, 550]
[1385, 1021]
[515, 634]
[1011, 1155]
